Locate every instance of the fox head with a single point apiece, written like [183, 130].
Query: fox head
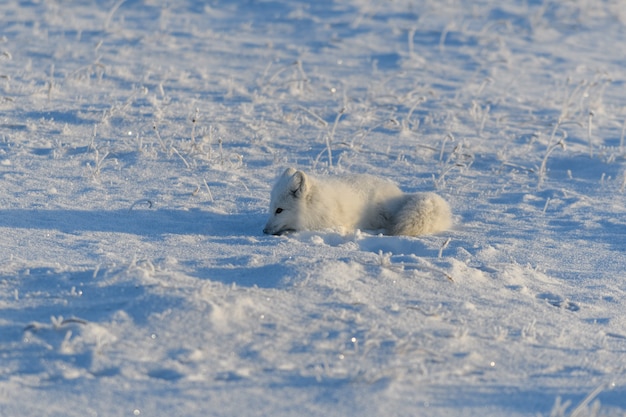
[286, 202]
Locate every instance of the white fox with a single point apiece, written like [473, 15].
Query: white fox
[300, 202]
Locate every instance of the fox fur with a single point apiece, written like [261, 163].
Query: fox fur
[302, 202]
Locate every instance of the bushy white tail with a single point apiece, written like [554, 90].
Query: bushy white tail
[421, 214]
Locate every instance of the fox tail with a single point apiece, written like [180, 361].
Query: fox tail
[420, 214]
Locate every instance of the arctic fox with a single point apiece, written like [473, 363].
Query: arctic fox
[300, 202]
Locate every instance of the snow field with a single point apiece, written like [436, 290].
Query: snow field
[138, 145]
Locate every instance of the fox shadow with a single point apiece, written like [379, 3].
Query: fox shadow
[156, 224]
[141, 222]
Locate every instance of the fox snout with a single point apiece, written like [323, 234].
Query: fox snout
[273, 230]
[275, 233]
[270, 230]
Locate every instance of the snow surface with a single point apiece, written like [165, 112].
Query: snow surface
[139, 141]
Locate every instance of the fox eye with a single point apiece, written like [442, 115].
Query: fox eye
[279, 210]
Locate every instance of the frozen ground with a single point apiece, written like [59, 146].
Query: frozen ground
[138, 144]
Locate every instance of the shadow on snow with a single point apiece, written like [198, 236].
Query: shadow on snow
[137, 222]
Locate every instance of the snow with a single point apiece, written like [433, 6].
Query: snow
[139, 142]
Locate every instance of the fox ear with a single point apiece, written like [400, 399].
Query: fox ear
[288, 172]
[299, 184]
